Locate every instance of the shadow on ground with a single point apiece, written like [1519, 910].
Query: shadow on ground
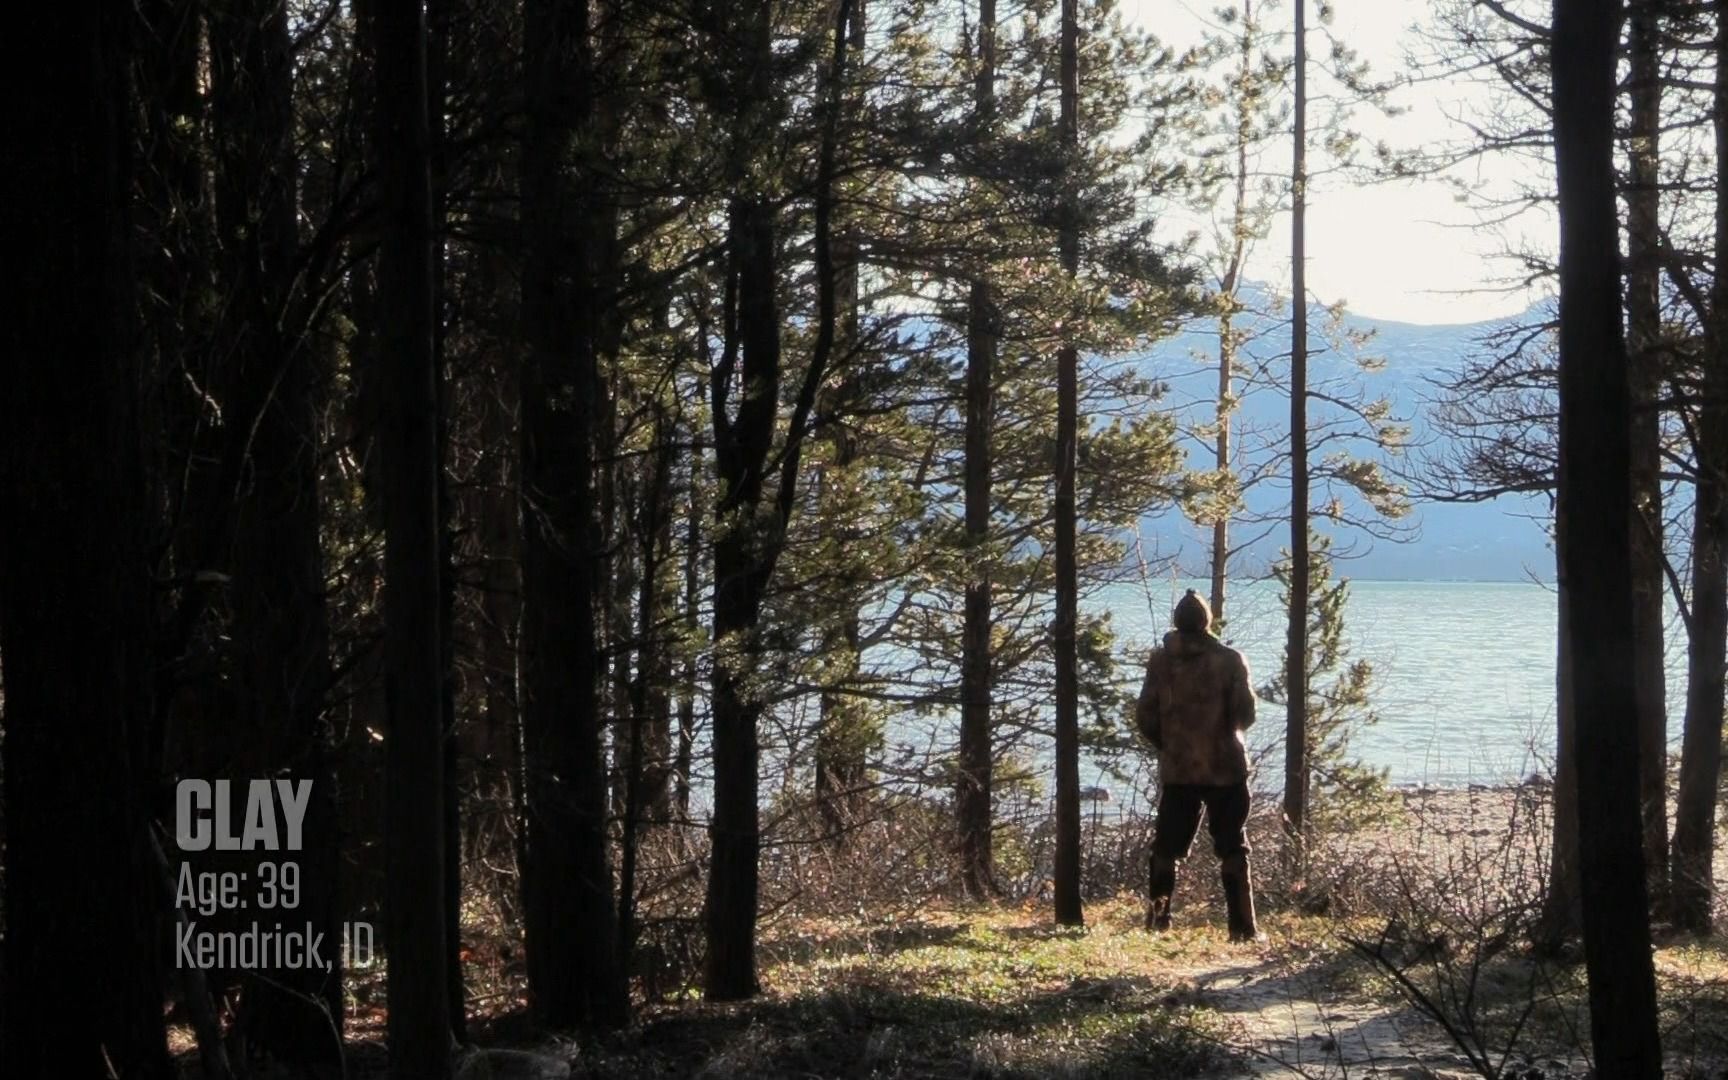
[1117, 1027]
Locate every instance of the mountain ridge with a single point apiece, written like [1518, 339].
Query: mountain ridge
[1503, 539]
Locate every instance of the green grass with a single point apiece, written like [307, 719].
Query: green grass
[969, 992]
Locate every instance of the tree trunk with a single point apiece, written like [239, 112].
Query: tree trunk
[845, 732]
[1701, 743]
[82, 991]
[1226, 384]
[278, 631]
[841, 735]
[574, 978]
[1296, 647]
[1644, 330]
[415, 926]
[659, 614]
[749, 533]
[1229, 285]
[688, 678]
[1069, 911]
[618, 570]
[977, 752]
[743, 560]
[490, 504]
[1562, 917]
[438, 13]
[639, 785]
[1595, 552]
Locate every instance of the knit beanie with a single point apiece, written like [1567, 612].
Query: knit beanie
[1192, 615]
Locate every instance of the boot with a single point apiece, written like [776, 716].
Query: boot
[1162, 887]
[1233, 870]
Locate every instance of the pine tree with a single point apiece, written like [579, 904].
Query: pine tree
[1343, 791]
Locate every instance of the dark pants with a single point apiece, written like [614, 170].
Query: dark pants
[1179, 808]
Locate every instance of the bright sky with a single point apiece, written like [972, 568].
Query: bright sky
[1406, 251]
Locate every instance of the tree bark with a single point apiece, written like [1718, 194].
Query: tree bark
[1644, 333]
[750, 533]
[977, 752]
[279, 627]
[574, 978]
[1693, 886]
[82, 991]
[438, 14]
[1069, 911]
[1595, 552]
[743, 559]
[640, 787]
[415, 926]
[1562, 917]
[1229, 285]
[1296, 646]
[688, 678]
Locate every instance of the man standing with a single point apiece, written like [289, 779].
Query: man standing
[1193, 708]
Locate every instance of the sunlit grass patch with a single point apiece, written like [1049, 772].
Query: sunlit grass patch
[954, 991]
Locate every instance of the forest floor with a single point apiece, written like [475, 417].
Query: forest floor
[1415, 970]
[1435, 894]
[999, 992]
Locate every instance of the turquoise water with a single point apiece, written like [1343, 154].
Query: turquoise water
[1465, 670]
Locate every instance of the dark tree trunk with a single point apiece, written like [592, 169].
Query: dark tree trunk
[1701, 743]
[742, 562]
[749, 532]
[177, 214]
[844, 733]
[415, 922]
[1644, 330]
[688, 678]
[82, 992]
[1595, 552]
[491, 505]
[438, 13]
[618, 493]
[1069, 911]
[639, 782]
[1296, 645]
[574, 978]
[658, 601]
[1562, 917]
[278, 629]
[977, 752]
[841, 737]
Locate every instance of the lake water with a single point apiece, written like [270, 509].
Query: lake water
[1465, 670]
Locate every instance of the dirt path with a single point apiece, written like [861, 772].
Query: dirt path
[1287, 1022]
[1292, 1016]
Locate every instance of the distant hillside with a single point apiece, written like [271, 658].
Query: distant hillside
[1503, 540]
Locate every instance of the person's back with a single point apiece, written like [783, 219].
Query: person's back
[1193, 708]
